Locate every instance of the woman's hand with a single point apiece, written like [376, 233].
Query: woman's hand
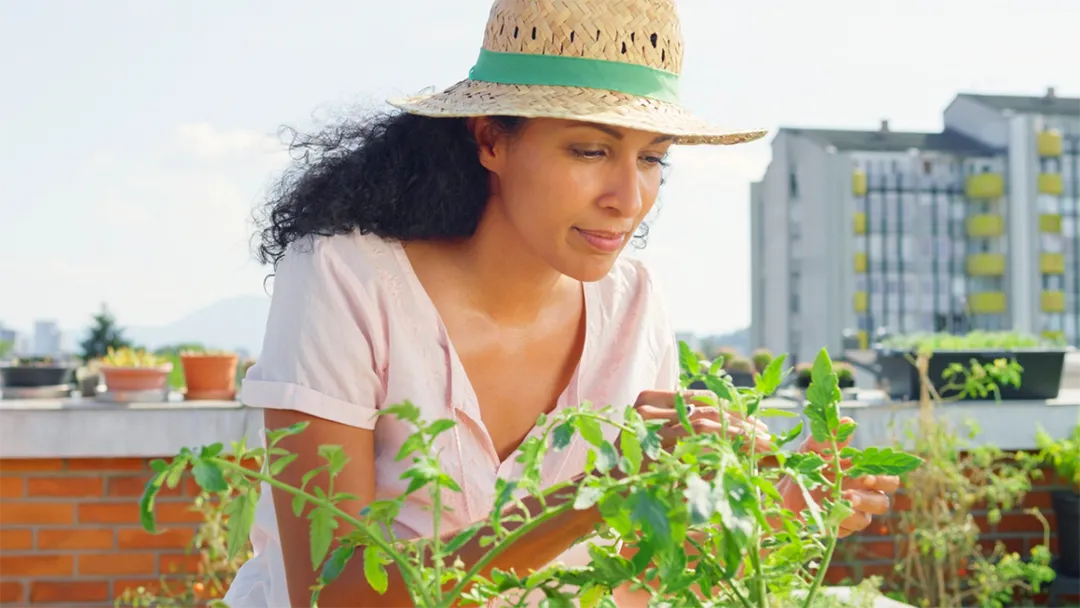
[704, 418]
[869, 494]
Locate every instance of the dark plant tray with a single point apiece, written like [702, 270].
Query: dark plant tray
[1041, 378]
[32, 376]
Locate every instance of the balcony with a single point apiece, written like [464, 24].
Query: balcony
[986, 264]
[986, 303]
[858, 183]
[1052, 263]
[1051, 183]
[985, 185]
[1053, 301]
[860, 262]
[984, 225]
[1050, 223]
[859, 220]
[860, 301]
[1048, 143]
[864, 339]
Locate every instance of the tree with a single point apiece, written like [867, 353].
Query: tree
[6, 346]
[104, 333]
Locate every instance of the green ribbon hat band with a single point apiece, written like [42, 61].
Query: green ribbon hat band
[558, 70]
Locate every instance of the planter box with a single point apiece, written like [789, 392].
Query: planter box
[34, 376]
[1067, 514]
[1040, 380]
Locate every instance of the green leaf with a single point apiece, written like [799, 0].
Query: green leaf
[807, 465]
[176, 473]
[158, 465]
[700, 499]
[788, 437]
[722, 386]
[607, 458]
[770, 379]
[838, 512]
[335, 458]
[631, 451]
[461, 538]
[587, 496]
[440, 426]
[323, 525]
[772, 412]
[688, 361]
[211, 451]
[403, 411]
[682, 410]
[413, 443]
[844, 431]
[592, 595]
[561, 436]
[241, 516]
[590, 430]
[337, 562]
[541, 420]
[649, 511]
[146, 503]
[374, 569]
[883, 461]
[648, 438]
[209, 477]
[273, 436]
[279, 464]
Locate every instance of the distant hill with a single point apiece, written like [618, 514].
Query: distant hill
[234, 324]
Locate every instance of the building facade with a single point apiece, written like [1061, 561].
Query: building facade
[855, 233]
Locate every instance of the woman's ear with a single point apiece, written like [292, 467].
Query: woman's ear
[490, 144]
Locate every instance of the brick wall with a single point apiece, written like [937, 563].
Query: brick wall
[70, 533]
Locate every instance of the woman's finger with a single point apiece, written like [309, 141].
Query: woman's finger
[813, 445]
[671, 433]
[868, 501]
[888, 484]
[855, 522]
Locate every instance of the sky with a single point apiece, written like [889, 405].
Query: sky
[140, 136]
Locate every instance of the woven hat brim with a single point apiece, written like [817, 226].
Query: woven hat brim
[476, 98]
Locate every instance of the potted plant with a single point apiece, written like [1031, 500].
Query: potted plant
[845, 374]
[89, 377]
[1063, 456]
[761, 357]
[209, 374]
[741, 370]
[132, 370]
[1005, 355]
[36, 372]
[803, 375]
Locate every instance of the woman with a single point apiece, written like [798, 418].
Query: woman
[464, 255]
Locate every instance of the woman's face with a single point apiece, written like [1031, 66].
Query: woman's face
[574, 192]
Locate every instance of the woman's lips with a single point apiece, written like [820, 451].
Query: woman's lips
[607, 242]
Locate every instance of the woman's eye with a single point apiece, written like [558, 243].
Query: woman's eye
[654, 160]
[589, 153]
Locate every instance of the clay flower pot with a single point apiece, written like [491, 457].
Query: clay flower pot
[210, 375]
[135, 379]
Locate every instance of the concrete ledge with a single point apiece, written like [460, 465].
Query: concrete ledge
[75, 428]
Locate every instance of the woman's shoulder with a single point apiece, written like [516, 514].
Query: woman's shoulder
[632, 299]
[351, 256]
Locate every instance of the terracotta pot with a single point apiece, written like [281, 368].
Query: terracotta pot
[210, 376]
[133, 379]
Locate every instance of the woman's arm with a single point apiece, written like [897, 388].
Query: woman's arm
[533, 551]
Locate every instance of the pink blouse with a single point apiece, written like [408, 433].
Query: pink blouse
[351, 329]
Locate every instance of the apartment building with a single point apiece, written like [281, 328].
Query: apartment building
[855, 233]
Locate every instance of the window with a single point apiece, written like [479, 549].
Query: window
[793, 184]
[794, 303]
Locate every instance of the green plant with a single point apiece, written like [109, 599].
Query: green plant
[844, 371]
[975, 340]
[43, 361]
[738, 364]
[216, 569]
[130, 357]
[6, 346]
[761, 357]
[703, 520]
[103, 335]
[943, 564]
[1063, 455]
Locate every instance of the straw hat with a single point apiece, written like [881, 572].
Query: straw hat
[613, 62]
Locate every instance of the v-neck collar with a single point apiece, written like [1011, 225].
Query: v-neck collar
[463, 397]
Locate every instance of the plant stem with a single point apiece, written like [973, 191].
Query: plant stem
[831, 547]
[436, 549]
[407, 572]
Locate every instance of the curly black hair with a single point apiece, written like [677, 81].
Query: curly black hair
[396, 175]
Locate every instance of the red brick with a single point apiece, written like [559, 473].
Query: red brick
[1040, 500]
[1012, 545]
[137, 538]
[37, 565]
[1022, 522]
[177, 513]
[11, 486]
[152, 585]
[75, 538]
[132, 486]
[37, 513]
[91, 564]
[878, 549]
[109, 512]
[11, 592]
[16, 539]
[69, 591]
[170, 563]
[67, 486]
[32, 464]
[106, 464]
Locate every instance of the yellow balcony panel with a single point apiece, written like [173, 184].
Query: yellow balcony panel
[1052, 263]
[1051, 183]
[860, 301]
[1049, 143]
[984, 225]
[986, 302]
[858, 183]
[986, 264]
[860, 262]
[1050, 223]
[864, 339]
[859, 219]
[985, 185]
[1053, 301]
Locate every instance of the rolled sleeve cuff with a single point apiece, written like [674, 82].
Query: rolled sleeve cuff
[288, 396]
